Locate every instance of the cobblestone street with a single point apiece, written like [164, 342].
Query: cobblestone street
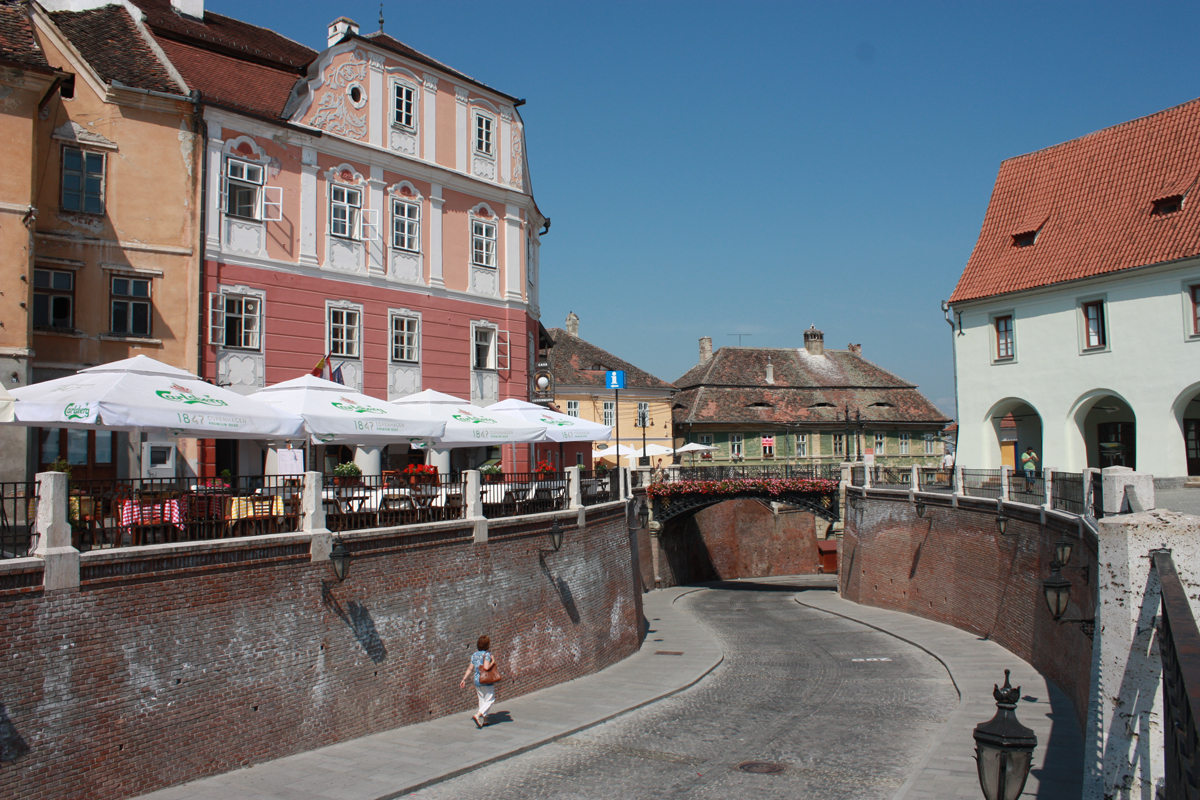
[847, 711]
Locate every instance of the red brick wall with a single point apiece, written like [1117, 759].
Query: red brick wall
[953, 566]
[735, 539]
[160, 671]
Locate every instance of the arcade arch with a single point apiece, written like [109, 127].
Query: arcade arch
[1187, 413]
[1105, 431]
[1012, 425]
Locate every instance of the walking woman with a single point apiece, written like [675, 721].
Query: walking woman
[481, 658]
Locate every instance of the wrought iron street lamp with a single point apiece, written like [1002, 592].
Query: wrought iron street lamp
[1004, 747]
[1057, 591]
[1062, 551]
[1001, 524]
[644, 514]
[920, 509]
[556, 536]
[340, 556]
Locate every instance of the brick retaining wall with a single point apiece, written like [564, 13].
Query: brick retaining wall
[953, 566]
[740, 538]
[171, 663]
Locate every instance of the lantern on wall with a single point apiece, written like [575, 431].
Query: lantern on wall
[1004, 747]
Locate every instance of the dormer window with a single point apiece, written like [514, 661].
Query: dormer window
[1167, 205]
[822, 405]
[1026, 239]
[759, 405]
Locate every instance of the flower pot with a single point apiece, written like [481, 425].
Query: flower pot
[423, 480]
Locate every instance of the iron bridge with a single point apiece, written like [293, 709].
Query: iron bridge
[823, 504]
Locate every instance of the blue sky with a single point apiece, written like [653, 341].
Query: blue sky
[719, 168]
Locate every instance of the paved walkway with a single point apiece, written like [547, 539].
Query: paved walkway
[400, 761]
[1185, 501]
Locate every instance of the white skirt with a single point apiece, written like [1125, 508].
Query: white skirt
[487, 696]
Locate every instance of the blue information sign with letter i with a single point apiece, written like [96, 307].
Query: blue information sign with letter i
[615, 379]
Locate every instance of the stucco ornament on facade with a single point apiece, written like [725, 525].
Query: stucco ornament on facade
[518, 161]
[332, 115]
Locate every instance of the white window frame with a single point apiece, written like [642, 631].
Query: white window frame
[707, 440]
[337, 319]
[643, 412]
[408, 239]
[801, 444]
[483, 135]
[930, 444]
[219, 315]
[411, 334]
[768, 450]
[839, 444]
[1190, 289]
[241, 174]
[492, 358]
[880, 443]
[130, 300]
[737, 445]
[352, 211]
[609, 410]
[483, 242]
[405, 120]
[573, 408]
[905, 439]
[1086, 345]
[1000, 353]
[85, 155]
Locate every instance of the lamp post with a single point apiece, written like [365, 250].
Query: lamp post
[340, 556]
[1057, 591]
[1004, 747]
[643, 514]
[642, 421]
[556, 535]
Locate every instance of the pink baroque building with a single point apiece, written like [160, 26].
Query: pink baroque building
[366, 202]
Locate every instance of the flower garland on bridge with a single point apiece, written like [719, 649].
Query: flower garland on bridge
[771, 486]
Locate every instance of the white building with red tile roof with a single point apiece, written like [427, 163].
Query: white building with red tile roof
[1077, 315]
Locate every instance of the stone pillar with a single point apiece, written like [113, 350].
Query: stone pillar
[441, 460]
[1005, 481]
[915, 480]
[53, 528]
[369, 460]
[866, 473]
[574, 489]
[1048, 488]
[473, 504]
[1089, 494]
[312, 516]
[1126, 490]
[1124, 721]
[655, 546]
[958, 481]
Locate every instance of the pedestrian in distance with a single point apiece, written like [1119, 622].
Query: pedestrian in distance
[1029, 463]
[481, 659]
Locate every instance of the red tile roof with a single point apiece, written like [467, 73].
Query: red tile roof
[731, 387]
[1092, 200]
[217, 31]
[229, 81]
[18, 46]
[110, 42]
[575, 362]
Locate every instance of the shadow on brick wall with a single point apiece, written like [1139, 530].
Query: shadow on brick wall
[358, 617]
[562, 588]
[12, 746]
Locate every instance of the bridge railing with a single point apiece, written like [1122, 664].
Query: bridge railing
[1179, 644]
[831, 471]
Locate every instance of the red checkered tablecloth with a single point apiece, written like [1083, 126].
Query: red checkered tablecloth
[134, 512]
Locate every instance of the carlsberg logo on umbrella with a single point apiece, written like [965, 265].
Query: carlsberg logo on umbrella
[346, 404]
[466, 416]
[559, 422]
[75, 411]
[185, 395]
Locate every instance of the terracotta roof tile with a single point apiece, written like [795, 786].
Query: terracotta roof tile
[575, 362]
[229, 81]
[17, 43]
[110, 42]
[1095, 196]
[731, 387]
[215, 30]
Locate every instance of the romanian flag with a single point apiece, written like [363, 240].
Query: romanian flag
[322, 369]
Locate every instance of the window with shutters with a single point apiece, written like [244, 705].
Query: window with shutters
[235, 320]
[82, 181]
[405, 339]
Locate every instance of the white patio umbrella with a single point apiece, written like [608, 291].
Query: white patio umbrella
[141, 394]
[6, 405]
[695, 447]
[334, 414]
[613, 451]
[559, 427]
[468, 425]
[653, 450]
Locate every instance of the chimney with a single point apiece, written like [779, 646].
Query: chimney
[855, 348]
[190, 8]
[814, 341]
[770, 371]
[339, 28]
[573, 324]
[705, 348]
